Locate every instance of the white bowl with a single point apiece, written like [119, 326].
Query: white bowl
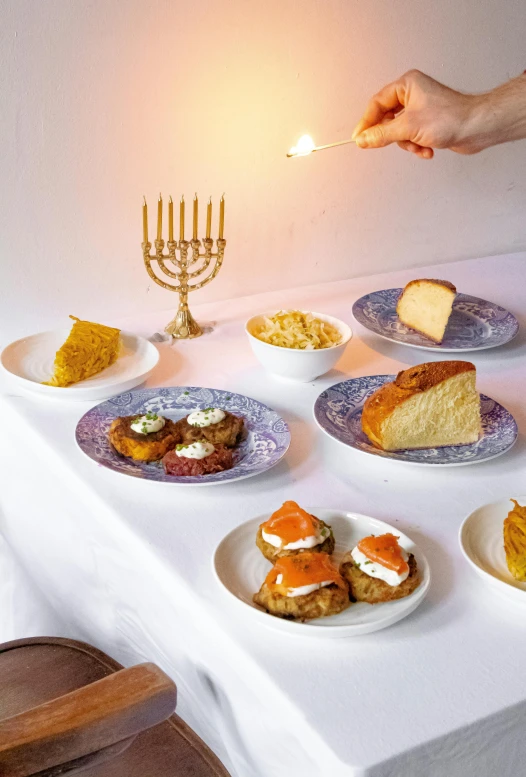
[293, 363]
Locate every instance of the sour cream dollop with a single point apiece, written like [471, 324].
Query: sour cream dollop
[307, 542]
[147, 424]
[374, 569]
[207, 417]
[196, 450]
[303, 590]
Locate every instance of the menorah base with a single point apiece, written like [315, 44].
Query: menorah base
[184, 326]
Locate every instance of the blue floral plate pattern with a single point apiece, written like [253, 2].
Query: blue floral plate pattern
[475, 324]
[338, 411]
[266, 440]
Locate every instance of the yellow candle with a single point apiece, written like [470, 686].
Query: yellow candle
[144, 221]
[196, 205]
[221, 216]
[181, 219]
[209, 217]
[170, 219]
[160, 218]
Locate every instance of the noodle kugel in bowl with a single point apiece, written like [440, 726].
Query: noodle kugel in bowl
[297, 345]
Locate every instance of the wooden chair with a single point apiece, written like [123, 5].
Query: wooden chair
[67, 708]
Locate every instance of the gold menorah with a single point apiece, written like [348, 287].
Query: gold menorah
[184, 326]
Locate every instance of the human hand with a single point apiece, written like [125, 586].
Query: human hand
[420, 114]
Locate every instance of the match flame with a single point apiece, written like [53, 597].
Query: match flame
[303, 147]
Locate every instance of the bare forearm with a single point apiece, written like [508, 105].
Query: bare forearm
[500, 115]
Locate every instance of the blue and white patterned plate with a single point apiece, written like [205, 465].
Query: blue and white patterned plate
[338, 411]
[475, 324]
[266, 440]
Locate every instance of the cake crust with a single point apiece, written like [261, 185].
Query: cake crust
[445, 284]
[407, 383]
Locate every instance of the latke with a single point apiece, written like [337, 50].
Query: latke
[272, 553]
[219, 460]
[364, 588]
[142, 447]
[226, 432]
[329, 600]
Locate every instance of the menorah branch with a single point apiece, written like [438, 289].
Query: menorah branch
[219, 261]
[206, 257]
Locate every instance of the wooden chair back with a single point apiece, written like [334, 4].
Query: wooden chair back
[66, 708]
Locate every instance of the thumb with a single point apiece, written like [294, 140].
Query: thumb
[383, 134]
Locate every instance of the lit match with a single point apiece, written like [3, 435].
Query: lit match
[306, 146]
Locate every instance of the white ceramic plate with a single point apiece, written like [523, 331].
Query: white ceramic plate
[481, 541]
[30, 361]
[240, 568]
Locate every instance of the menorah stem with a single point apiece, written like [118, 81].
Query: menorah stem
[183, 326]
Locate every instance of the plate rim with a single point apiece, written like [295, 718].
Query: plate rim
[171, 483]
[31, 385]
[402, 461]
[294, 628]
[437, 348]
[502, 585]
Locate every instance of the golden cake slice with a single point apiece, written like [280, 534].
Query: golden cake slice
[425, 305]
[427, 406]
[89, 349]
[515, 541]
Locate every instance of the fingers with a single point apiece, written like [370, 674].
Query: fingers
[390, 99]
[383, 134]
[421, 151]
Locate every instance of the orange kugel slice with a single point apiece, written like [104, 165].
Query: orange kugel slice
[88, 350]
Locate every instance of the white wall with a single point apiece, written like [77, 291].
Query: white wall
[104, 100]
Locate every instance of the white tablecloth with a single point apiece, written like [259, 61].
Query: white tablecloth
[127, 564]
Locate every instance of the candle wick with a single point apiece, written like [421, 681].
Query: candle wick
[170, 199]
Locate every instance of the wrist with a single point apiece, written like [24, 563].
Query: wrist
[496, 117]
[480, 128]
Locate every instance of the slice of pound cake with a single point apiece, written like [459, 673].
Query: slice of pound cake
[425, 305]
[427, 406]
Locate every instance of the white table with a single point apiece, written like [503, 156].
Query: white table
[128, 564]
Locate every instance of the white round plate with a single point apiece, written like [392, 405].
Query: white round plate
[30, 361]
[240, 568]
[482, 543]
